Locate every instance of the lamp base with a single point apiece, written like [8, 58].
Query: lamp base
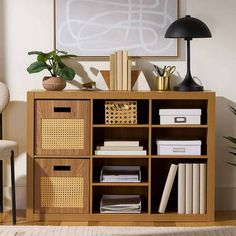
[188, 85]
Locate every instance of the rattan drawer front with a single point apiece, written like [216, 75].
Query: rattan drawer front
[62, 186]
[62, 192]
[62, 127]
[62, 133]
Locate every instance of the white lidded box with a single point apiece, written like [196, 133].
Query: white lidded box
[180, 116]
[178, 147]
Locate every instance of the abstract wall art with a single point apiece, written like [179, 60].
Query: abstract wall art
[100, 27]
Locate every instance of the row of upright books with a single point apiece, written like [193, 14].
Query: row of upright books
[120, 71]
[191, 188]
[120, 147]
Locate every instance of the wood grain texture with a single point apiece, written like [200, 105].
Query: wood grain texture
[55, 170]
[71, 120]
[222, 218]
[147, 131]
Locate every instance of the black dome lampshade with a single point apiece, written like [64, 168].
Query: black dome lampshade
[188, 28]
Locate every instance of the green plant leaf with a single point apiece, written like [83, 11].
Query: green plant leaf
[52, 61]
[62, 52]
[34, 53]
[37, 67]
[43, 57]
[66, 73]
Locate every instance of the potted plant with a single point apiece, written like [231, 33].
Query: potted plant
[232, 139]
[53, 62]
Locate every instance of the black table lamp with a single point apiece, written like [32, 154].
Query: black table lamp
[188, 28]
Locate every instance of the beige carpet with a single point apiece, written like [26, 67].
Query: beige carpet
[114, 231]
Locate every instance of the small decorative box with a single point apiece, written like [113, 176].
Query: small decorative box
[178, 147]
[180, 116]
[121, 112]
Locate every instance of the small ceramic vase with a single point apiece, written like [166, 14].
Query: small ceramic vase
[54, 83]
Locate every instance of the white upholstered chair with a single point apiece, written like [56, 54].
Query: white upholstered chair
[8, 149]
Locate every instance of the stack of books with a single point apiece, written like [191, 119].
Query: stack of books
[120, 148]
[120, 204]
[191, 188]
[120, 71]
[120, 174]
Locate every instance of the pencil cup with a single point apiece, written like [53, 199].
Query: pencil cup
[163, 83]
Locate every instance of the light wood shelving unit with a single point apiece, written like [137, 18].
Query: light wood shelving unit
[89, 113]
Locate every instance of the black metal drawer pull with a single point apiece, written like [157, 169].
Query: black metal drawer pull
[61, 168]
[62, 109]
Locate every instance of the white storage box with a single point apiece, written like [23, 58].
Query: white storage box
[180, 116]
[178, 147]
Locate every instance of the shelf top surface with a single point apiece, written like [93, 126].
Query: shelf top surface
[74, 94]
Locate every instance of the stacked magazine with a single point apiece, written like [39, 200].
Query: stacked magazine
[120, 174]
[120, 204]
[120, 147]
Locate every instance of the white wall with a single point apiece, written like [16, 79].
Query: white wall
[28, 25]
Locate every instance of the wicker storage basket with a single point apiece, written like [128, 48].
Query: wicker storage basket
[61, 186]
[121, 112]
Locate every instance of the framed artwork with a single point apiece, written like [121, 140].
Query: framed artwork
[100, 27]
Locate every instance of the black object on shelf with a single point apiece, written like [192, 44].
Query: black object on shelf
[188, 28]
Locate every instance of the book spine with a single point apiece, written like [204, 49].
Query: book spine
[196, 188]
[120, 148]
[121, 143]
[119, 70]
[129, 75]
[125, 70]
[167, 188]
[99, 152]
[189, 188]
[203, 178]
[112, 71]
[115, 71]
[181, 188]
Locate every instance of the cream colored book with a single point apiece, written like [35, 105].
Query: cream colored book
[119, 70]
[189, 189]
[203, 184]
[196, 188]
[121, 143]
[112, 85]
[181, 188]
[125, 70]
[120, 148]
[121, 152]
[129, 62]
[167, 189]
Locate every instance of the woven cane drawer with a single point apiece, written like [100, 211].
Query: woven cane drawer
[62, 127]
[61, 186]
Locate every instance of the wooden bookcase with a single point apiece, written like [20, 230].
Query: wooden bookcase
[85, 109]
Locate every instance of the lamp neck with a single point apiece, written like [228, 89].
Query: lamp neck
[188, 58]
